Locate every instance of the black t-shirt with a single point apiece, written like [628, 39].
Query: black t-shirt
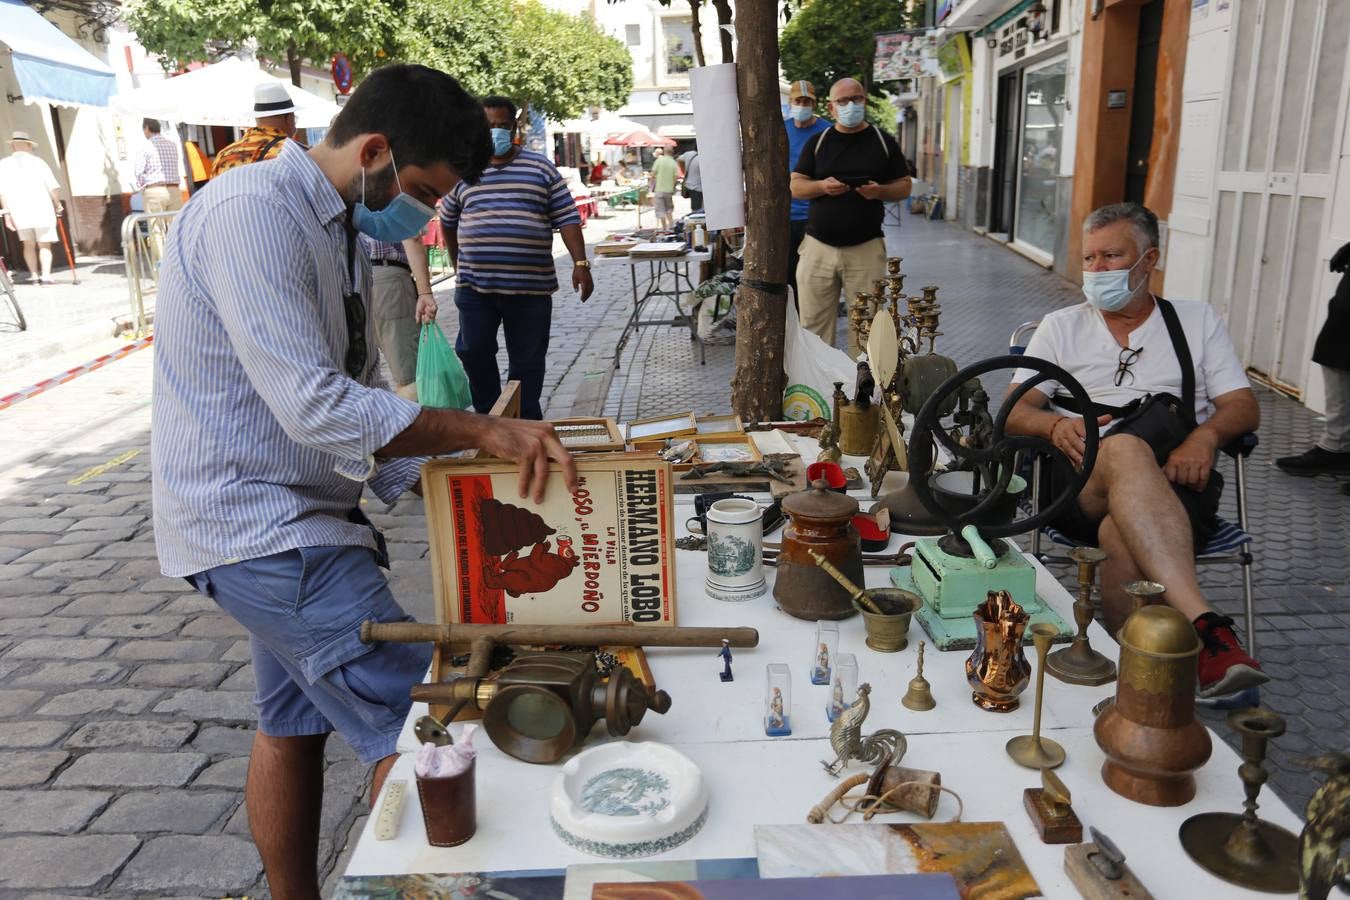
[849, 219]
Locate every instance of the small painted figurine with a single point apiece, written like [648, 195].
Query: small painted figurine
[821, 673]
[725, 654]
[837, 704]
[777, 722]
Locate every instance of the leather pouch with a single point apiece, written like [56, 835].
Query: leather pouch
[449, 807]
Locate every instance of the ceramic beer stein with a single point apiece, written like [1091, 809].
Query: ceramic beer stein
[736, 550]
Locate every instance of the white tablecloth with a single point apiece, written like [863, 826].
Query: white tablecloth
[754, 779]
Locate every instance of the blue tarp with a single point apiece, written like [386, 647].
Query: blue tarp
[50, 66]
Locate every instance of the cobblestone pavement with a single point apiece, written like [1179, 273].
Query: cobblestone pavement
[125, 718]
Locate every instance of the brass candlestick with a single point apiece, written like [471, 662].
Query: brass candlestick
[893, 265]
[1079, 663]
[919, 697]
[1032, 750]
[1243, 849]
[1145, 593]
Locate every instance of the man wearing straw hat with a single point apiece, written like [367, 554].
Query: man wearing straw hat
[31, 196]
[275, 124]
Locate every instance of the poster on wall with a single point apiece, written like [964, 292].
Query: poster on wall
[903, 55]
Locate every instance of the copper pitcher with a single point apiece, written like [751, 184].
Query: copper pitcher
[997, 670]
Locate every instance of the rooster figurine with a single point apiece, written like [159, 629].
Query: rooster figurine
[848, 743]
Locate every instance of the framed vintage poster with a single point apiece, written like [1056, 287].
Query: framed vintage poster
[601, 555]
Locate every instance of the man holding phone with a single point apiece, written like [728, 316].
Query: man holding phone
[847, 174]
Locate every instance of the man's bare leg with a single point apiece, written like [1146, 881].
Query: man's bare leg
[1118, 569]
[284, 794]
[1128, 486]
[45, 261]
[30, 259]
[381, 773]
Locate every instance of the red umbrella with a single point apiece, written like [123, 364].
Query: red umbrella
[639, 137]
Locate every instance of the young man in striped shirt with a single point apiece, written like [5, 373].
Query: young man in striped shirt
[500, 236]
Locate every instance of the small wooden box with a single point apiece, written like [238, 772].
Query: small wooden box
[655, 428]
[589, 435]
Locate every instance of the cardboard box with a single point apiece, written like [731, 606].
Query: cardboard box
[602, 555]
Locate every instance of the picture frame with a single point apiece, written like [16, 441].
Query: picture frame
[655, 428]
[589, 434]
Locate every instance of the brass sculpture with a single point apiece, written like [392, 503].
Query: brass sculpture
[1244, 849]
[1328, 827]
[1051, 811]
[1079, 663]
[848, 742]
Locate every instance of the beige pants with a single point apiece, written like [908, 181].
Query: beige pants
[823, 271]
[161, 198]
[394, 307]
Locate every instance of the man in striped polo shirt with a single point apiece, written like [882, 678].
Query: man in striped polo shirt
[500, 236]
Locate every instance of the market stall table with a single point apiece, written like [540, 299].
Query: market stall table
[667, 276]
[753, 779]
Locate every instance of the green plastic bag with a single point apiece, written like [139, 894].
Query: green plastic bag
[441, 381]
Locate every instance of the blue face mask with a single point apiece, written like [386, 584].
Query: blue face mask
[403, 217]
[850, 115]
[501, 141]
[1110, 291]
[803, 113]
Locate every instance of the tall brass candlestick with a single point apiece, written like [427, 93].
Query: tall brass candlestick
[1079, 663]
[1032, 750]
[1242, 848]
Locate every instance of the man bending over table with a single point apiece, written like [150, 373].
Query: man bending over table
[270, 419]
[1151, 500]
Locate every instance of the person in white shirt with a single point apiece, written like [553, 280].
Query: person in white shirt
[31, 196]
[1152, 496]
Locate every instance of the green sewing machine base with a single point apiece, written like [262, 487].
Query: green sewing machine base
[952, 586]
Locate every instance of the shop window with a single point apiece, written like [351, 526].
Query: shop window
[632, 35]
[679, 45]
[1043, 111]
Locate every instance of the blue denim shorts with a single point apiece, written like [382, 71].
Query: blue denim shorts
[303, 609]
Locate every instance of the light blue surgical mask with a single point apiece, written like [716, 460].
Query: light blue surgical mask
[403, 217]
[850, 115]
[501, 141]
[803, 113]
[1110, 291]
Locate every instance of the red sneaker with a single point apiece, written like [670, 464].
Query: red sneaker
[1224, 668]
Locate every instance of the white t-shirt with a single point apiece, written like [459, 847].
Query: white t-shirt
[26, 185]
[1077, 340]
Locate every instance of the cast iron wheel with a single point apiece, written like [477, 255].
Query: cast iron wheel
[1001, 456]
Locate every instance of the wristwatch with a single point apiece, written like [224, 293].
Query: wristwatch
[581, 263]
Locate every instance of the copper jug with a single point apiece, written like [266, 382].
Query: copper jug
[998, 669]
[819, 520]
[1150, 735]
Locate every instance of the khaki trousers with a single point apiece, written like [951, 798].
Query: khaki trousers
[160, 198]
[823, 271]
[394, 307]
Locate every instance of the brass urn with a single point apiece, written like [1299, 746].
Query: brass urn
[1150, 735]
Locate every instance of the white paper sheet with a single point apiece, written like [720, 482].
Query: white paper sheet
[717, 121]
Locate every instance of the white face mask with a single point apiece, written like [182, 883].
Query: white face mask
[1110, 291]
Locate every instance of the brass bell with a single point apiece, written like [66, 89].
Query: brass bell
[919, 697]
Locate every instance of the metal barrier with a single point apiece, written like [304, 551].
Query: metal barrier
[142, 242]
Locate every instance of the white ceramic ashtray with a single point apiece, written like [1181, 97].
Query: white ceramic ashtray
[626, 800]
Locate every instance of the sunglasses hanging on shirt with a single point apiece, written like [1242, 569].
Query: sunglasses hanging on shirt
[355, 309]
[1127, 358]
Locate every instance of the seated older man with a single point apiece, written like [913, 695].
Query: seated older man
[1151, 500]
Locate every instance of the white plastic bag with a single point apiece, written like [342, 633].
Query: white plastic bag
[813, 367]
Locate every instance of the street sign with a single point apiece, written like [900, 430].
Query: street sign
[342, 73]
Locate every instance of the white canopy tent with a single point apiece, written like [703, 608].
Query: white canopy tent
[218, 94]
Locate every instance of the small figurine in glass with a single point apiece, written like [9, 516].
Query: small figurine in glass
[777, 700]
[827, 640]
[844, 686]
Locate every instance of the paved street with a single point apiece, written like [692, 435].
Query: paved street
[125, 698]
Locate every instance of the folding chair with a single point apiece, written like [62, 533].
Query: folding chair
[1231, 542]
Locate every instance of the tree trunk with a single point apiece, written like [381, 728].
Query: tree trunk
[696, 26]
[757, 388]
[723, 8]
[293, 60]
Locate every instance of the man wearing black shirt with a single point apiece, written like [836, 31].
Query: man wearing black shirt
[847, 174]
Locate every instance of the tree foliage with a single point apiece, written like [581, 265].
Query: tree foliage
[556, 63]
[831, 39]
[284, 31]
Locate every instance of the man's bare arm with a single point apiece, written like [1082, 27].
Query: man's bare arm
[1235, 414]
[1032, 416]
